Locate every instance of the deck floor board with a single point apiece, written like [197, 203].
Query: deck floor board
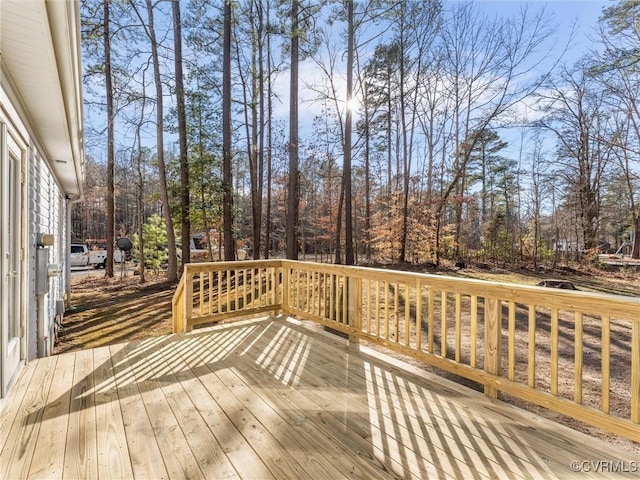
[81, 445]
[265, 399]
[19, 448]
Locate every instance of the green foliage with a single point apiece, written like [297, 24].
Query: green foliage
[621, 17]
[154, 233]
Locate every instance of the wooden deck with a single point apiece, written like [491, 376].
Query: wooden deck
[270, 398]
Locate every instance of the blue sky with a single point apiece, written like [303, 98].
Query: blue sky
[584, 13]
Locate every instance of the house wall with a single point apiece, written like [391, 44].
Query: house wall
[44, 211]
[47, 214]
[41, 115]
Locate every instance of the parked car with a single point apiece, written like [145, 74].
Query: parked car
[79, 255]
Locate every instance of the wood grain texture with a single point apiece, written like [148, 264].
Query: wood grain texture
[271, 398]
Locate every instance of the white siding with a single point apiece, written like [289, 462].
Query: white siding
[46, 215]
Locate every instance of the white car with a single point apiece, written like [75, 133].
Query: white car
[79, 255]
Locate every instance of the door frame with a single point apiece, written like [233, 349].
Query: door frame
[12, 306]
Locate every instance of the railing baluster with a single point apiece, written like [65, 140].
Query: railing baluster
[635, 371]
[418, 315]
[219, 294]
[255, 287]
[386, 311]
[606, 362]
[443, 324]
[345, 294]
[396, 310]
[321, 296]
[332, 281]
[458, 327]
[297, 290]
[313, 294]
[201, 294]
[228, 290]
[578, 355]
[377, 326]
[210, 292]
[554, 351]
[474, 331]
[311, 285]
[512, 341]
[431, 318]
[532, 346]
[368, 316]
[236, 287]
[492, 340]
[245, 292]
[407, 311]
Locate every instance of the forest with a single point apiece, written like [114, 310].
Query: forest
[361, 131]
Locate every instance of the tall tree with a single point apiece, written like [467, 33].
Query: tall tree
[110, 140]
[293, 195]
[269, 126]
[185, 208]
[227, 145]
[346, 169]
[149, 28]
[575, 115]
[618, 69]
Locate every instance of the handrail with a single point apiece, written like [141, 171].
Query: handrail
[470, 328]
[224, 290]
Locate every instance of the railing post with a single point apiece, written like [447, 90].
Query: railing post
[354, 289]
[188, 299]
[277, 287]
[285, 287]
[176, 312]
[492, 340]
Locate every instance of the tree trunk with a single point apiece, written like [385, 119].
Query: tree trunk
[267, 230]
[294, 184]
[227, 178]
[258, 212]
[110, 143]
[635, 252]
[348, 213]
[185, 204]
[140, 197]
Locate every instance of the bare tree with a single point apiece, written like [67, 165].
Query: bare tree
[574, 113]
[149, 28]
[617, 70]
[489, 68]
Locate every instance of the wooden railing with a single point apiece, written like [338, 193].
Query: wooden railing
[502, 336]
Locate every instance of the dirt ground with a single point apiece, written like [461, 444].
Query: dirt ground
[108, 311]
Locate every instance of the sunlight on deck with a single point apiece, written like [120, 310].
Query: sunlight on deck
[268, 398]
